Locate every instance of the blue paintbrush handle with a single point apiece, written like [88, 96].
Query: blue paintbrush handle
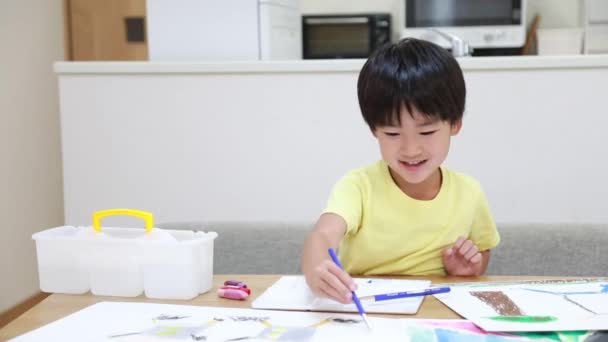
[334, 257]
[407, 294]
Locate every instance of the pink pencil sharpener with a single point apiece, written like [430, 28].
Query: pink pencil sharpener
[232, 292]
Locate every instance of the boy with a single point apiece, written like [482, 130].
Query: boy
[406, 214]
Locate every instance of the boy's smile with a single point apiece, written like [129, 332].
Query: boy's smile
[412, 165]
[414, 151]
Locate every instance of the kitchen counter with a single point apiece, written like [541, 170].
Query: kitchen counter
[266, 141]
[333, 65]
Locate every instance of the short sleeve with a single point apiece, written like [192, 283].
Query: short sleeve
[483, 231]
[345, 200]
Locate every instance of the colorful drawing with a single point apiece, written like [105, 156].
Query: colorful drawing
[500, 302]
[462, 330]
[547, 305]
[132, 322]
[197, 333]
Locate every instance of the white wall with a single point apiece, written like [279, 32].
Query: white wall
[253, 145]
[31, 32]
[555, 13]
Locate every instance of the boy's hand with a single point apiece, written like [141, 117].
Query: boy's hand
[463, 259]
[328, 280]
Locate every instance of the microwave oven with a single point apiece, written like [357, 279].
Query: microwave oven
[344, 36]
[484, 24]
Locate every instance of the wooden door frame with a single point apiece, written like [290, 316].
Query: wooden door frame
[67, 31]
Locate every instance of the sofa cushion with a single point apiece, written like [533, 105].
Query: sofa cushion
[253, 248]
[525, 249]
[551, 250]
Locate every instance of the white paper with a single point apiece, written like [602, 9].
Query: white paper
[118, 321]
[292, 293]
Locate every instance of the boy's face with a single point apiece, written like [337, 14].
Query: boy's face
[415, 150]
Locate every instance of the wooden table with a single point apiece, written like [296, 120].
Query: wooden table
[57, 306]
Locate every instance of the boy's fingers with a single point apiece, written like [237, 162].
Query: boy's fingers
[342, 277]
[459, 242]
[331, 293]
[476, 259]
[336, 283]
[450, 258]
[465, 247]
[448, 252]
[345, 278]
[322, 293]
[472, 252]
[325, 273]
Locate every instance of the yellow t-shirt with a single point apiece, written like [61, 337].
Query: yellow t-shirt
[389, 232]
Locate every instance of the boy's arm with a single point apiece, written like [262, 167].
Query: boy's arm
[323, 276]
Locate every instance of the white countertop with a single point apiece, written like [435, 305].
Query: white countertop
[333, 65]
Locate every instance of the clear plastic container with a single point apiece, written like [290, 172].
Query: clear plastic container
[182, 270]
[115, 262]
[61, 254]
[125, 262]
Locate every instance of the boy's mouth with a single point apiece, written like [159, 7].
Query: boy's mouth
[412, 164]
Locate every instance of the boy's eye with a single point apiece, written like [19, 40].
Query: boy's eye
[428, 132]
[391, 134]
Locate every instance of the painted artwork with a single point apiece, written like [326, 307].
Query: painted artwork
[134, 322]
[462, 330]
[547, 305]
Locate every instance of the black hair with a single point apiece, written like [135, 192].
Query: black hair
[415, 73]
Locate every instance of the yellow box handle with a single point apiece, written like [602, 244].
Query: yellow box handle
[146, 216]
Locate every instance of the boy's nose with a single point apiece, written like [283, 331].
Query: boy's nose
[410, 149]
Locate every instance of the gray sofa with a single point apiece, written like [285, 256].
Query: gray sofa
[525, 249]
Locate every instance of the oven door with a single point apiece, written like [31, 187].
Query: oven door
[482, 23]
[336, 37]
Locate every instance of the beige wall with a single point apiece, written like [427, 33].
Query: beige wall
[31, 36]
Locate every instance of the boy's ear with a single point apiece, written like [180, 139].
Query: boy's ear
[456, 126]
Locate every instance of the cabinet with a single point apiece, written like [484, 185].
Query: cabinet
[224, 30]
[595, 20]
[106, 30]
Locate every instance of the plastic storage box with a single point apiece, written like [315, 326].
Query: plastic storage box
[125, 261]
